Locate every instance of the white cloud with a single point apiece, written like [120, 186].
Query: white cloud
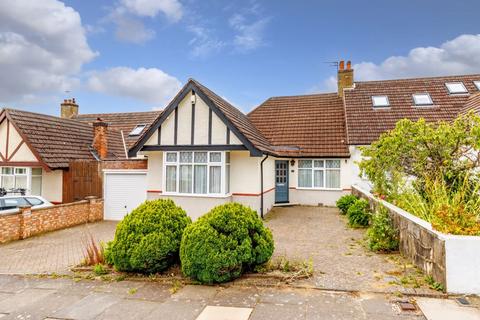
[203, 42]
[132, 30]
[42, 47]
[458, 56]
[249, 35]
[151, 85]
[172, 9]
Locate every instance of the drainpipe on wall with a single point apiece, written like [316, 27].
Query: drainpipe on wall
[261, 185]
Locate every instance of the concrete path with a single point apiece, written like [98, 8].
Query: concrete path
[54, 251]
[34, 298]
[341, 260]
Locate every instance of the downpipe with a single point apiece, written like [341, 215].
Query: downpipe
[261, 186]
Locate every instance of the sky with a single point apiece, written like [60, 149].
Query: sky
[134, 55]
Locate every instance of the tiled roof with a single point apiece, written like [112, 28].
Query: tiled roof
[59, 140]
[238, 119]
[365, 124]
[473, 103]
[309, 125]
[123, 121]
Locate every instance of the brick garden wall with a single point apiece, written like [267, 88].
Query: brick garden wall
[28, 222]
[417, 241]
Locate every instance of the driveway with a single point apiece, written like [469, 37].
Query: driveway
[54, 251]
[341, 260]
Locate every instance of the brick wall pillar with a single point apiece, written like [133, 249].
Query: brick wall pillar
[94, 209]
[25, 221]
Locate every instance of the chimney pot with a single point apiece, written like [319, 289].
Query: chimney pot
[341, 65]
[349, 65]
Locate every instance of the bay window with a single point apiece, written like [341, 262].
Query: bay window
[197, 172]
[319, 174]
[21, 178]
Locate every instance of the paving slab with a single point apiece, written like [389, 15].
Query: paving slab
[443, 309]
[224, 313]
[177, 310]
[268, 311]
[245, 297]
[128, 309]
[89, 307]
[23, 299]
[193, 292]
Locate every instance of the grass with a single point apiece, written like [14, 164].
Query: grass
[296, 269]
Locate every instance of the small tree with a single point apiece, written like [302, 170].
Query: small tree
[422, 150]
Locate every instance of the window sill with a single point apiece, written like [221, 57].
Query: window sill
[190, 195]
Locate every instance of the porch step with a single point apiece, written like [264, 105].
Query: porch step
[287, 204]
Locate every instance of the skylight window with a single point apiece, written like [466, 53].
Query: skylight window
[422, 99]
[137, 130]
[456, 87]
[380, 101]
[477, 84]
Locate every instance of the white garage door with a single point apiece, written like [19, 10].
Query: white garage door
[123, 192]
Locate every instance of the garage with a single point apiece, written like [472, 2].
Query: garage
[124, 190]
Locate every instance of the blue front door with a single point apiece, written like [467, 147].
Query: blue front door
[281, 181]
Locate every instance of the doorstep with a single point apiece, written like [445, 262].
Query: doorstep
[286, 204]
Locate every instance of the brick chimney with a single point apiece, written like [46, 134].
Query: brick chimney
[345, 77]
[68, 108]
[100, 140]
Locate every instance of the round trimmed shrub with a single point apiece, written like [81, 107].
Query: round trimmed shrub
[148, 239]
[345, 202]
[358, 214]
[224, 243]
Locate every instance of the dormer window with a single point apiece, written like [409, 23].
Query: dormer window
[456, 87]
[422, 99]
[137, 130]
[380, 101]
[477, 84]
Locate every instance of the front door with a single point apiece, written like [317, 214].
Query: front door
[281, 181]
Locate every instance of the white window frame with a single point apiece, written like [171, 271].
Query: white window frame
[28, 174]
[477, 84]
[133, 133]
[450, 91]
[324, 169]
[222, 164]
[379, 105]
[417, 104]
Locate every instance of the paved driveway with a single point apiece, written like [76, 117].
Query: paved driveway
[340, 258]
[52, 252]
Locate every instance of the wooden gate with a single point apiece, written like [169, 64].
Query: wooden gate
[82, 179]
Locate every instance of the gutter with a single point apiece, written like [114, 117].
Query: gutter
[261, 185]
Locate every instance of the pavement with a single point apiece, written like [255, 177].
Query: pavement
[44, 298]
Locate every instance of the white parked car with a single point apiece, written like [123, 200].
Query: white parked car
[9, 204]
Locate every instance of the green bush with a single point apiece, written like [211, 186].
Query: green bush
[224, 243]
[148, 239]
[358, 215]
[345, 202]
[382, 235]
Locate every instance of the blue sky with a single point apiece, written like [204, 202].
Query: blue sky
[133, 55]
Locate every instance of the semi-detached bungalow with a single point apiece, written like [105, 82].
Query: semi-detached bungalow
[203, 152]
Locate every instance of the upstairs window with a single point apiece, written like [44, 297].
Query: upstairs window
[137, 130]
[380, 101]
[422, 99]
[477, 84]
[456, 87]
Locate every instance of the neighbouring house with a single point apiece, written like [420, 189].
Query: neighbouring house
[203, 152]
[37, 151]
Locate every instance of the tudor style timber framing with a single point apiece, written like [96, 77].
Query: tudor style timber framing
[194, 88]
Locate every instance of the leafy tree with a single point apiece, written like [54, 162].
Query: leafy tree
[422, 151]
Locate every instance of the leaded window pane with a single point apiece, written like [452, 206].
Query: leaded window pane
[304, 163]
[200, 157]
[333, 163]
[215, 156]
[171, 157]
